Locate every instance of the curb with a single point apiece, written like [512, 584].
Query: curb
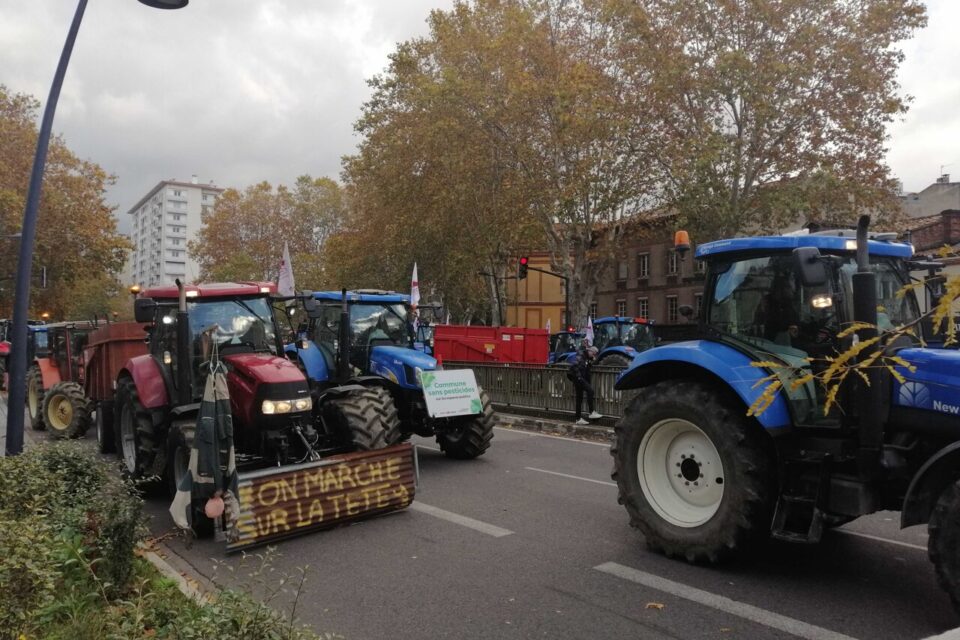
[555, 427]
[187, 581]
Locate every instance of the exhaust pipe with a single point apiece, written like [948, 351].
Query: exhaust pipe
[343, 353]
[871, 405]
[184, 356]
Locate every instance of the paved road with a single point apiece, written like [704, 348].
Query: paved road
[529, 541]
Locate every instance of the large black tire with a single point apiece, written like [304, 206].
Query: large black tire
[106, 438]
[943, 545]
[66, 410]
[469, 437]
[389, 414]
[35, 398]
[136, 439]
[363, 418]
[615, 360]
[178, 461]
[708, 487]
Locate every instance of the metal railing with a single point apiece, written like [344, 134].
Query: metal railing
[545, 388]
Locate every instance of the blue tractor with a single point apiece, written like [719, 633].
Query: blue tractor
[703, 477]
[620, 339]
[379, 354]
[563, 346]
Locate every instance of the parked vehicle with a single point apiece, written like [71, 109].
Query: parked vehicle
[476, 343]
[6, 327]
[620, 339]
[379, 355]
[704, 478]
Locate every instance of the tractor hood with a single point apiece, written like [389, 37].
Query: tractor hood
[399, 364]
[935, 385]
[264, 368]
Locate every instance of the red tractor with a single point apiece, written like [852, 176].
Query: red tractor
[276, 420]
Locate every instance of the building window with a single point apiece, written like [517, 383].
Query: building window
[621, 307]
[643, 265]
[672, 314]
[700, 266]
[177, 193]
[672, 262]
[643, 307]
[593, 310]
[697, 303]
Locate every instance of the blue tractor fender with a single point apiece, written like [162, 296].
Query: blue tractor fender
[933, 477]
[312, 359]
[708, 360]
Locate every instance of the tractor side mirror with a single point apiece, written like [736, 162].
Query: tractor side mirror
[309, 302]
[810, 267]
[143, 309]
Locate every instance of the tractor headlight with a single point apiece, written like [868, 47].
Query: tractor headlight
[271, 407]
[417, 373]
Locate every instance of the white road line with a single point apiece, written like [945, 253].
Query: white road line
[847, 532]
[553, 437]
[464, 521]
[741, 609]
[567, 475]
[423, 446]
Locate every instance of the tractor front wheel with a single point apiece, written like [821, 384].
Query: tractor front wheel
[66, 410]
[944, 541]
[35, 398]
[136, 438]
[468, 437]
[106, 439]
[365, 418]
[695, 475]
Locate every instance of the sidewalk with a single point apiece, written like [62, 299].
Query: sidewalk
[555, 427]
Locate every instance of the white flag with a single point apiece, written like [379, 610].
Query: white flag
[414, 288]
[588, 332]
[285, 280]
[548, 326]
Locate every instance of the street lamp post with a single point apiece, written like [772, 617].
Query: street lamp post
[21, 301]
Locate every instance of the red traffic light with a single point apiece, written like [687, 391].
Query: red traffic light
[524, 260]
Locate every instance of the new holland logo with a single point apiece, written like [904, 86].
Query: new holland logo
[914, 394]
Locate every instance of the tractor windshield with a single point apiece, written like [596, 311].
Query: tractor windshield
[371, 324]
[232, 323]
[623, 334]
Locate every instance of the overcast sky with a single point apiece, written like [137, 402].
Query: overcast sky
[238, 91]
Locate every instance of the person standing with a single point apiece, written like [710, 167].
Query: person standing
[579, 374]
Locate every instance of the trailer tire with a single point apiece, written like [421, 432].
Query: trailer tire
[181, 441]
[678, 501]
[469, 437]
[106, 438]
[944, 541]
[35, 398]
[66, 410]
[364, 418]
[136, 439]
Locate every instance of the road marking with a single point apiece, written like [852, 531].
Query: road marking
[423, 446]
[734, 607]
[847, 532]
[567, 475]
[553, 437]
[464, 521]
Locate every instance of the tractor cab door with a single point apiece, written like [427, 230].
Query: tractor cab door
[78, 339]
[60, 351]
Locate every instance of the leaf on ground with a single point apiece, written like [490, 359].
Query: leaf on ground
[655, 605]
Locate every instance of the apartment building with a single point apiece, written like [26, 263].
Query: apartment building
[163, 222]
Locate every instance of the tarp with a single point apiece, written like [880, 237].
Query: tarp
[212, 466]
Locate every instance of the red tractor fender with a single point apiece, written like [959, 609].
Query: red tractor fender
[148, 379]
[49, 372]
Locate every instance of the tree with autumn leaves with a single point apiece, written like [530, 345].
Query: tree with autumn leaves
[77, 239]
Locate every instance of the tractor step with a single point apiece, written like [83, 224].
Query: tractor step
[799, 513]
[281, 502]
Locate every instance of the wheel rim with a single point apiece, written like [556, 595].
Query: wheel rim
[680, 472]
[128, 442]
[33, 400]
[60, 413]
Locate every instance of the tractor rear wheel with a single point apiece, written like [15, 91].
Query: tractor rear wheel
[136, 438]
[695, 475]
[106, 439]
[365, 418]
[616, 360]
[181, 441]
[66, 410]
[35, 398]
[468, 437]
[944, 541]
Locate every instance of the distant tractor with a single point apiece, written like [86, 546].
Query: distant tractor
[703, 477]
[56, 399]
[563, 346]
[6, 328]
[620, 339]
[365, 338]
[277, 420]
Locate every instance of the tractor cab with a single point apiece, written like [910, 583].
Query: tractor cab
[563, 346]
[619, 339]
[62, 344]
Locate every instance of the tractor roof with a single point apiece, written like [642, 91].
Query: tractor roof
[363, 295]
[828, 242]
[620, 320]
[212, 290]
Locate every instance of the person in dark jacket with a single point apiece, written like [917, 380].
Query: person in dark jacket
[579, 374]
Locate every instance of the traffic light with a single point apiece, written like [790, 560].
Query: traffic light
[522, 267]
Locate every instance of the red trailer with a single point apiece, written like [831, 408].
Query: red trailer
[465, 343]
[108, 349]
